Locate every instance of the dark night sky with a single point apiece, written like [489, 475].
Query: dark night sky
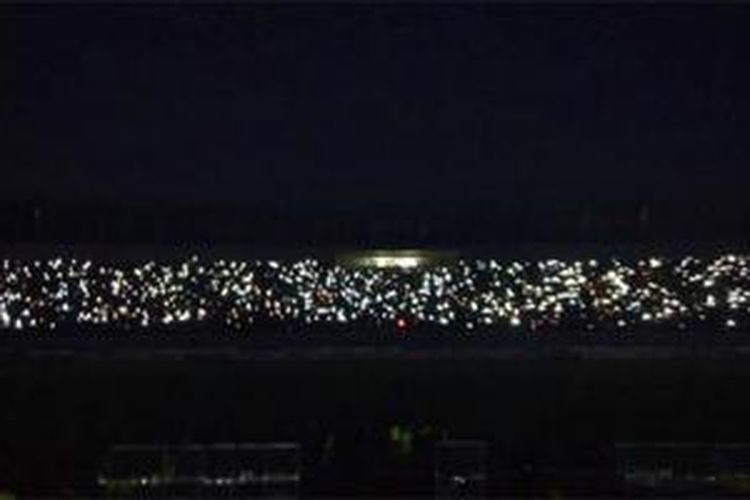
[387, 103]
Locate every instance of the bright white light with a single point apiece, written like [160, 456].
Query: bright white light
[393, 261]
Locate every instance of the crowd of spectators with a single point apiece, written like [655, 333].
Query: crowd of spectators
[465, 295]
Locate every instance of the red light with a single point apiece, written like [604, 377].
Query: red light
[401, 323]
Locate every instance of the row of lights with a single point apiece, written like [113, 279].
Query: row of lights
[487, 294]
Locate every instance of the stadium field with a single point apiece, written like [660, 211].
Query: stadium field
[551, 421]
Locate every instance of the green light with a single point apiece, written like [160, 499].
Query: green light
[395, 432]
